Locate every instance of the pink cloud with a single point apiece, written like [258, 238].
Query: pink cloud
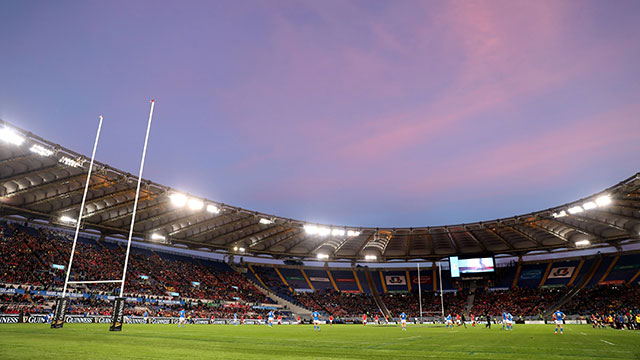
[499, 58]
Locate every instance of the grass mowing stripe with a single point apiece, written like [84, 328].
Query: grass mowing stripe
[27, 341]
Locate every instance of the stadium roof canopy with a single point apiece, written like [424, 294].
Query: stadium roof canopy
[43, 180]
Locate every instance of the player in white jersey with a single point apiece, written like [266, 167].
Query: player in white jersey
[558, 316]
[182, 319]
[504, 319]
[235, 319]
[403, 320]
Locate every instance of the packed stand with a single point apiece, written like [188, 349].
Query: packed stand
[29, 255]
[409, 303]
[338, 304]
[604, 300]
[519, 302]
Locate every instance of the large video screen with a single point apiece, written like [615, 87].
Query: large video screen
[470, 266]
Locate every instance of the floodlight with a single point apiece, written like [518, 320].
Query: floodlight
[370, 257]
[41, 150]
[67, 219]
[235, 248]
[10, 136]
[575, 209]
[603, 200]
[311, 229]
[324, 231]
[323, 256]
[158, 237]
[353, 233]
[241, 249]
[213, 209]
[69, 161]
[560, 214]
[589, 205]
[195, 204]
[337, 232]
[265, 221]
[583, 243]
[178, 199]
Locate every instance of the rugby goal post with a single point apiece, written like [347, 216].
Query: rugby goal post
[441, 312]
[117, 316]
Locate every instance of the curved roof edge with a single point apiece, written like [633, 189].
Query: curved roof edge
[36, 182]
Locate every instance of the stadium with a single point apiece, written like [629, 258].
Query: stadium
[100, 262]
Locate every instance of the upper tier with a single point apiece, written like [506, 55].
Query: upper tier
[40, 179]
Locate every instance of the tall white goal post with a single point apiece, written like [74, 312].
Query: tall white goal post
[420, 294]
[119, 303]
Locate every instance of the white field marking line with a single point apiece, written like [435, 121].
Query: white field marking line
[410, 337]
[582, 333]
[606, 342]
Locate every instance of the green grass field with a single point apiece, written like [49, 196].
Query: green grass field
[94, 341]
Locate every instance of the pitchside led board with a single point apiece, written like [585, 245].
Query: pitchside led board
[471, 266]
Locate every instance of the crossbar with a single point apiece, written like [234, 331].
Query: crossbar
[95, 282]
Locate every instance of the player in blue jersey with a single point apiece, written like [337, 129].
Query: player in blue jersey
[504, 319]
[403, 320]
[146, 317]
[509, 321]
[558, 316]
[182, 320]
[270, 318]
[235, 319]
[316, 320]
[449, 321]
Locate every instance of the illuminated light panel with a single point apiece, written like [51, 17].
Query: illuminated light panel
[603, 200]
[178, 199]
[311, 229]
[338, 232]
[325, 231]
[266, 221]
[235, 248]
[213, 209]
[575, 210]
[241, 249]
[323, 256]
[67, 219]
[10, 136]
[589, 205]
[560, 214]
[157, 237]
[41, 150]
[583, 243]
[69, 161]
[195, 204]
[370, 257]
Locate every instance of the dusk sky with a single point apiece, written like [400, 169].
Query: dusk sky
[370, 113]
